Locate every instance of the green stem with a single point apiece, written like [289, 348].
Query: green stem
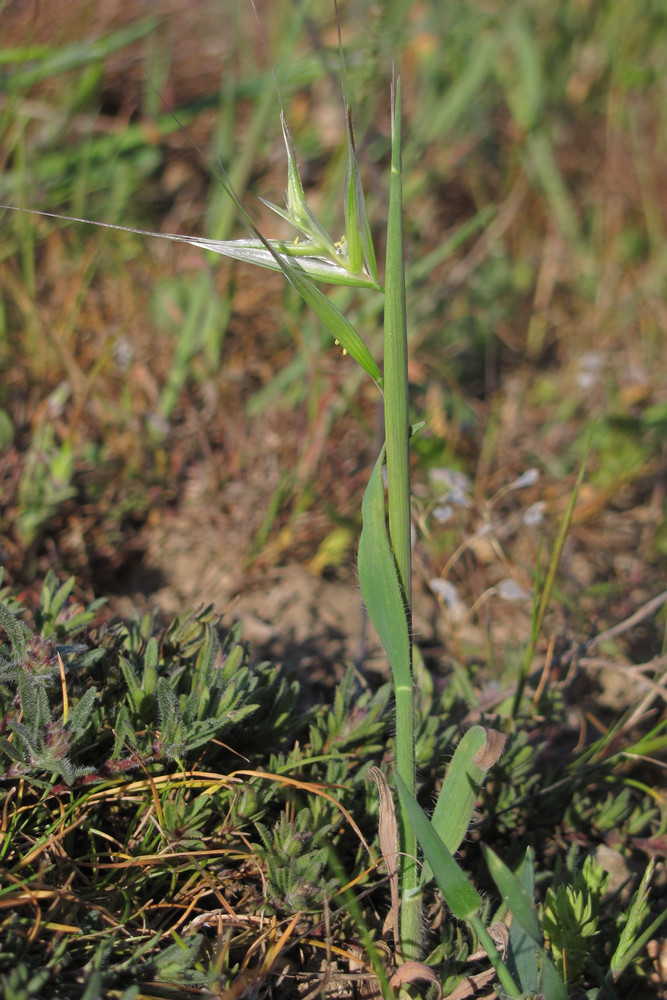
[396, 418]
[487, 943]
[397, 433]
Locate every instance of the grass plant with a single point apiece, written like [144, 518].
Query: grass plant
[142, 855]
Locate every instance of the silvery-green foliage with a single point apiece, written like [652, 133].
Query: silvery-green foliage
[296, 851]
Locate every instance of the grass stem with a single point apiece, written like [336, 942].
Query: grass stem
[397, 433]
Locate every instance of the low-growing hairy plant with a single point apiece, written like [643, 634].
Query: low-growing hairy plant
[297, 854]
[173, 693]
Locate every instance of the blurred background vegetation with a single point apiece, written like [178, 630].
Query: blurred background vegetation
[173, 425]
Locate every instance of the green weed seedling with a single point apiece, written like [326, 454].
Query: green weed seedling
[571, 916]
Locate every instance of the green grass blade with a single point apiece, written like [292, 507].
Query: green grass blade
[523, 910]
[383, 595]
[351, 903]
[631, 942]
[519, 902]
[380, 587]
[544, 163]
[333, 320]
[397, 424]
[545, 597]
[523, 951]
[397, 433]
[464, 90]
[352, 230]
[297, 209]
[477, 751]
[460, 894]
[553, 987]
[45, 62]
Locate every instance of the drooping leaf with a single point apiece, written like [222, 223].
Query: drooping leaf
[460, 894]
[332, 319]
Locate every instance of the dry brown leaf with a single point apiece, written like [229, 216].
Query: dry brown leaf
[414, 972]
[490, 753]
[471, 985]
[388, 831]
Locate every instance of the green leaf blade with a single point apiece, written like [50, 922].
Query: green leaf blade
[460, 894]
[522, 947]
[519, 902]
[380, 587]
[477, 751]
[333, 320]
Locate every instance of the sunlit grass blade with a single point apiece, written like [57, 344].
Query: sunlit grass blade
[397, 423]
[297, 207]
[332, 319]
[380, 587]
[478, 751]
[397, 435]
[262, 253]
[297, 223]
[355, 253]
